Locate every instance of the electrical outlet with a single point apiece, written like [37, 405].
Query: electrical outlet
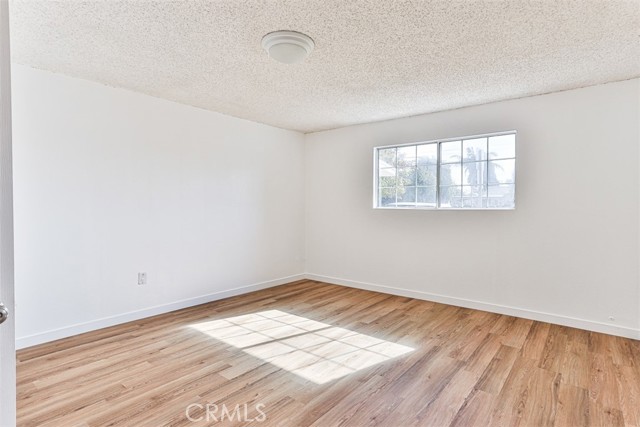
[142, 278]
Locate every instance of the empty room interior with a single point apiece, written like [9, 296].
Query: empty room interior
[319, 213]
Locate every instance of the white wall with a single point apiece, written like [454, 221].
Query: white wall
[569, 253]
[109, 183]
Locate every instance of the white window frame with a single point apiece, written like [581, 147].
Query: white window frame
[439, 142]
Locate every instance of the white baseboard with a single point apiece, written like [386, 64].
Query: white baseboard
[79, 328]
[573, 322]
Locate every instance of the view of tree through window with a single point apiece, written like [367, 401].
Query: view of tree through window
[465, 173]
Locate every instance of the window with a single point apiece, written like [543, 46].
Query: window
[476, 172]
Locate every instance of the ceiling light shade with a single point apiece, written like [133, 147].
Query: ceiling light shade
[287, 47]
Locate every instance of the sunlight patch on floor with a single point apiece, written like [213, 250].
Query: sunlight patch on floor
[316, 351]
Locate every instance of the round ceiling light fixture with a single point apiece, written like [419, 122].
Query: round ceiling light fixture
[287, 47]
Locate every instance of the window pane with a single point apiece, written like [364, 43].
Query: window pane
[501, 172]
[387, 197]
[451, 152]
[502, 147]
[501, 196]
[427, 175]
[406, 196]
[426, 197]
[474, 173]
[450, 197]
[407, 176]
[387, 181]
[474, 149]
[407, 156]
[474, 191]
[474, 196]
[428, 154]
[450, 175]
[387, 158]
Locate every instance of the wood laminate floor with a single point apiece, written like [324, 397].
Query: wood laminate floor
[313, 354]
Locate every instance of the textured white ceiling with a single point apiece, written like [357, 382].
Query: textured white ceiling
[374, 59]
